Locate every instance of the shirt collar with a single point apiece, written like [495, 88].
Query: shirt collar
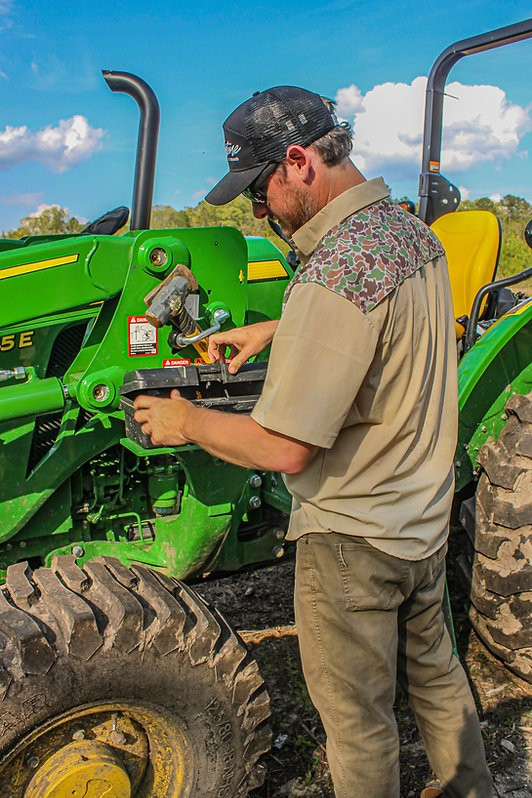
[308, 236]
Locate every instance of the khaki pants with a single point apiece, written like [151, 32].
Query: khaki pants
[365, 620]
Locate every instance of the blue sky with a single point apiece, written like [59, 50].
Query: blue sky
[66, 139]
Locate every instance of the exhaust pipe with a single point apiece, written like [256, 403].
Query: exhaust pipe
[147, 142]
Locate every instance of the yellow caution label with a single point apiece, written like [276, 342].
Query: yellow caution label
[265, 270]
[37, 266]
[201, 347]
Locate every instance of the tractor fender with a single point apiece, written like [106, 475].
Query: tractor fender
[494, 369]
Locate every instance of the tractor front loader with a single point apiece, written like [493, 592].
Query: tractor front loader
[115, 678]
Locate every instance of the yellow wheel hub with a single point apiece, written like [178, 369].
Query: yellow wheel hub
[103, 750]
[85, 769]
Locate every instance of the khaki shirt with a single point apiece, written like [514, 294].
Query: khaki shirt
[366, 370]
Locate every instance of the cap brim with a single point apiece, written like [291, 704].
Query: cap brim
[233, 184]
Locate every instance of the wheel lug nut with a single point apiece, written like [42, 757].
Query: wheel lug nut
[32, 761]
[117, 737]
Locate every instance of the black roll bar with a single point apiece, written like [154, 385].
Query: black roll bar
[147, 142]
[432, 129]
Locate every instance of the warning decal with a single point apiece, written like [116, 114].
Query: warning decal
[171, 362]
[142, 336]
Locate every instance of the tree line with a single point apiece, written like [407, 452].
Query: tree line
[514, 213]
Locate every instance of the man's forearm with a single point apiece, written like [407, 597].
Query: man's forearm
[241, 441]
[234, 438]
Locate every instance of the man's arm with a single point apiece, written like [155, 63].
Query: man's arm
[245, 342]
[234, 438]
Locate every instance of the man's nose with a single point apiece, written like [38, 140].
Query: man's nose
[260, 210]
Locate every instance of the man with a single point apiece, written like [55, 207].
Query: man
[359, 410]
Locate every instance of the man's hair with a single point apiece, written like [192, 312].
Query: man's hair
[335, 145]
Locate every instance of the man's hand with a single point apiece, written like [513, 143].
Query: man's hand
[245, 342]
[164, 420]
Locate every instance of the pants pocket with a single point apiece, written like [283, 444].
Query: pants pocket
[370, 578]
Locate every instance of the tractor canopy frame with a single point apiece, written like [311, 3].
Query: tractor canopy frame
[436, 194]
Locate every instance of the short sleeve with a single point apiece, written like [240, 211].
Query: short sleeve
[321, 352]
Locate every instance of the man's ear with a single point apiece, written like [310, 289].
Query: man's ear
[299, 159]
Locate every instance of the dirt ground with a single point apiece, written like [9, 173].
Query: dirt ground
[297, 765]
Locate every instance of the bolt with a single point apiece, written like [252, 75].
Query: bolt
[78, 733]
[484, 429]
[255, 481]
[278, 551]
[78, 551]
[504, 417]
[32, 761]
[117, 737]
[466, 447]
[22, 544]
[158, 257]
[458, 463]
[279, 533]
[255, 502]
[100, 392]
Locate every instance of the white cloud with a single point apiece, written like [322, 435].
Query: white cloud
[44, 207]
[465, 193]
[6, 9]
[60, 147]
[480, 125]
[349, 101]
[22, 199]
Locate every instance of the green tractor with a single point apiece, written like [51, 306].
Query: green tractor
[493, 500]
[116, 678]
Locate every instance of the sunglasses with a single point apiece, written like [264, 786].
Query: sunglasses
[256, 192]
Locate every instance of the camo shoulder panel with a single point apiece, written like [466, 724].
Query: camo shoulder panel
[366, 256]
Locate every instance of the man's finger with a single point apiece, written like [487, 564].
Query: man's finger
[143, 402]
[213, 351]
[236, 363]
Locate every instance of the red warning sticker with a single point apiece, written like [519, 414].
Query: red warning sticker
[175, 361]
[142, 336]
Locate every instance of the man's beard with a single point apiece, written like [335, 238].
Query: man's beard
[301, 206]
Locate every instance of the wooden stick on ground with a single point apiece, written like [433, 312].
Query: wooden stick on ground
[254, 636]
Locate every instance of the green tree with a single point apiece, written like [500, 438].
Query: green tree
[50, 221]
[513, 213]
[165, 217]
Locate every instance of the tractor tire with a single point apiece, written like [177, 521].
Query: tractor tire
[501, 583]
[121, 682]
